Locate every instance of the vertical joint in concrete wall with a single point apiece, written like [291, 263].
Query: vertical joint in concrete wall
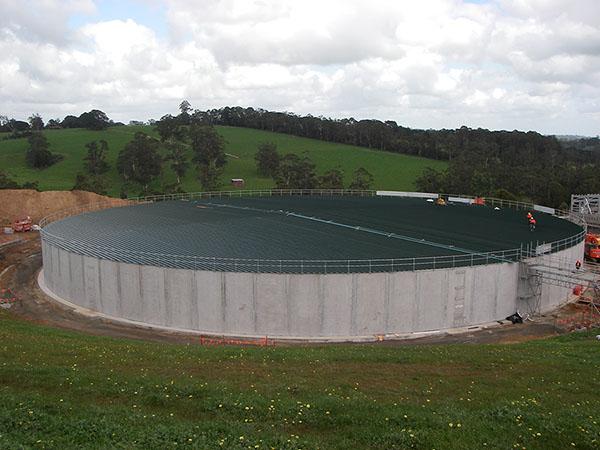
[167, 297]
[386, 304]
[100, 304]
[223, 299]
[143, 306]
[416, 310]
[445, 296]
[354, 306]
[288, 308]
[254, 317]
[119, 303]
[321, 305]
[195, 313]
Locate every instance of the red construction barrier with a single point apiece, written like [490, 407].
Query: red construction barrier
[583, 320]
[213, 341]
[224, 341]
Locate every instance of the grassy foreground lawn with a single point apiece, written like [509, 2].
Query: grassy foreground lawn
[62, 389]
[391, 171]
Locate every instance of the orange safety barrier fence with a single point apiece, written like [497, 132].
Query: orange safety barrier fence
[213, 341]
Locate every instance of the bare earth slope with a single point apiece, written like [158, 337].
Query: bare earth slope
[19, 202]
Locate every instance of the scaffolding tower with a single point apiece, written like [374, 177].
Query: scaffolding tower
[536, 272]
[588, 205]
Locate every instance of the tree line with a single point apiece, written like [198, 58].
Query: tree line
[142, 160]
[512, 164]
[91, 120]
[508, 164]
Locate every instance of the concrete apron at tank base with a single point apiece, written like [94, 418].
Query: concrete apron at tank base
[309, 307]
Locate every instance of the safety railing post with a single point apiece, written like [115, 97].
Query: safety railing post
[520, 257]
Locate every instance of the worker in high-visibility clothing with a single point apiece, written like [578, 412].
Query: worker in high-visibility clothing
[532, 223]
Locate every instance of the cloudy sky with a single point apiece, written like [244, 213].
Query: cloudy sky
[498, 64]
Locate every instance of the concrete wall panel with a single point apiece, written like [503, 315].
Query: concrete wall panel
[210, 300]
[333, 305]
[63, 282]
[240, 312]
[54, 252]
[55, 266]
[77, 282]
[432, 299]
[552, 296]
[402, 289]
[305, 303]
[337, 305]
[179, 284]
[369, 310]
[111, 288]
[49, 267]
[131, 293]
[507, 285]
[271, 296]
[485, 293]
[154, 309]
[91, 283]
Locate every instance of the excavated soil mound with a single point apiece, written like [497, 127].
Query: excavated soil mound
[26, 202]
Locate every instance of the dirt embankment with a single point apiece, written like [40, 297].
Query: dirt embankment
[26, 202]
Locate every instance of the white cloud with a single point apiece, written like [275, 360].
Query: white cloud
[41, 21]
[438, 63]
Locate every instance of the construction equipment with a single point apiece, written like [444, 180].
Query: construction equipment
[592, 247]
[22, 224]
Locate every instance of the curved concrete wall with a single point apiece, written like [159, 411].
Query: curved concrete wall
[294, 305]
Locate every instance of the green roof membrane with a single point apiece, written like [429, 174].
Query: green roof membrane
[206, 233]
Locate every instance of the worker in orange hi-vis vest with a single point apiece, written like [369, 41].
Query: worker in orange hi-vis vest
[532, 223]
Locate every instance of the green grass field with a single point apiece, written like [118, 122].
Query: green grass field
[62, 389]
[391, 171]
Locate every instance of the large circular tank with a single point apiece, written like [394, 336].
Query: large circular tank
[302, 266]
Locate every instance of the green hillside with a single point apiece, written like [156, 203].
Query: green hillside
[391, 171]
